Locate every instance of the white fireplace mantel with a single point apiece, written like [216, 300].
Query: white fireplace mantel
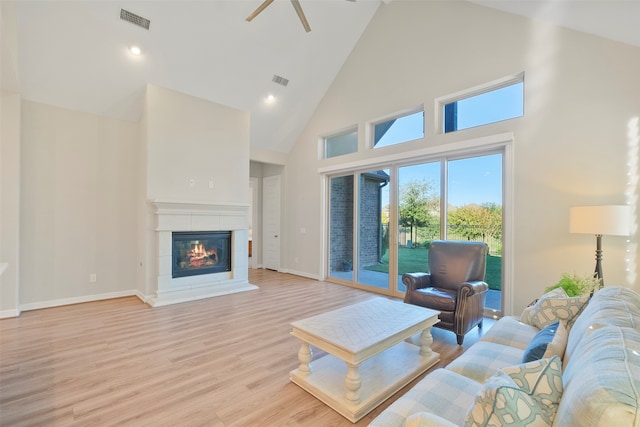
[200, 216]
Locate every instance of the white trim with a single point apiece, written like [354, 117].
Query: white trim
[468, 146]
[9, 313]
[508, 235]
[301, 274]
[78, 300]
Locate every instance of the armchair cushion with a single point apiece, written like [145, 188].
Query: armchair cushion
[437, 298]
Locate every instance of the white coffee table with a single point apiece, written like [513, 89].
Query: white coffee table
[369, 359]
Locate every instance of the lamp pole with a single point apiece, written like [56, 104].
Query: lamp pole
[598, 272]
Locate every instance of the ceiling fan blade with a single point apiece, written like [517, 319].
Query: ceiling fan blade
[303, 19]
[260, 8]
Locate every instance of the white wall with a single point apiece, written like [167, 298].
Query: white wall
[9, 202]
[9, 159]
[571, 147]
[191, 138]
[78, 206]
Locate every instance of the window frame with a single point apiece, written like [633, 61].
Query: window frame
[494, 85]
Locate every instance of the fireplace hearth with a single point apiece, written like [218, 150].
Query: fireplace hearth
[200, 252]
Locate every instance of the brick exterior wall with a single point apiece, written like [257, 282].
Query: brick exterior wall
[341, 222]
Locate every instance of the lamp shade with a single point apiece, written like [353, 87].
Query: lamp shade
[612, 220]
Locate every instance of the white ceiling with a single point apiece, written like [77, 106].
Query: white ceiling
[74, 53]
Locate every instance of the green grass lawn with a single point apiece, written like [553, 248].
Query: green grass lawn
[413, 260]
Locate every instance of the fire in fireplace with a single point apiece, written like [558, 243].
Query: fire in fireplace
[200, 252]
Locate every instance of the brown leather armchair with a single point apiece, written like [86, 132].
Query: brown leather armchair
[455, 286]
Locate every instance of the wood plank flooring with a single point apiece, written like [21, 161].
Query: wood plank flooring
[220, 361]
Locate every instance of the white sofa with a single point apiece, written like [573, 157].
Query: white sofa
[600, 375]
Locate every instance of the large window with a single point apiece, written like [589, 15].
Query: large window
[407, 127]
[494, 103]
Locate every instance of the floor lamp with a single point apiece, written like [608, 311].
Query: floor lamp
[612, 220]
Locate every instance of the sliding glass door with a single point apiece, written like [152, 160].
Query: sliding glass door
[444, 198]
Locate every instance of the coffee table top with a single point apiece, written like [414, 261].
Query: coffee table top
[359, 327]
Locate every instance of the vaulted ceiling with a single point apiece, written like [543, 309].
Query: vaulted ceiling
[74, 54]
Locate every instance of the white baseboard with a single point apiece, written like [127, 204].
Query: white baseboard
[9, 313]
[302, 273]
[84, 298]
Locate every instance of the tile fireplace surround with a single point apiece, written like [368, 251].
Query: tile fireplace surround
[200, 216]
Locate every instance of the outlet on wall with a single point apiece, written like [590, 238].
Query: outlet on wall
[93, 278]
[192, 183]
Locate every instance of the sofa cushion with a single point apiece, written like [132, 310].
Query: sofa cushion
[602, 379]
[427, 419]
[442, 392]
[483, 359]
[526, 395]
[550, 341]
[512, 332]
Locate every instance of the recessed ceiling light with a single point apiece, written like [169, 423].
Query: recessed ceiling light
[271, 99]
[135, 50]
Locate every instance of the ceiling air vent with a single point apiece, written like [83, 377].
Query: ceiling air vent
[134, 19]
[280, 80]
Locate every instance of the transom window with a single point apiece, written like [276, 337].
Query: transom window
[342, 143]
[407, 127]
[481, 106]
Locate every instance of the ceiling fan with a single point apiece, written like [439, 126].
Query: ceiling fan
[296, 6]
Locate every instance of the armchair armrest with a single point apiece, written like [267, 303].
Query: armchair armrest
[472, 288]
[415, 281]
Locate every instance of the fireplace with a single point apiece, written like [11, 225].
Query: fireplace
[196, 252]
[186, 221]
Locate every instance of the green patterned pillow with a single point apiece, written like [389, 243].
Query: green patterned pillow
[525, 317]
[550, 310]
[526, 395]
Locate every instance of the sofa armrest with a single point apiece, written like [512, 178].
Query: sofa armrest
[415, 281]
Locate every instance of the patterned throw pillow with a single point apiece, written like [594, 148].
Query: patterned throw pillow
[525, 395]
[550, 341]
[550, 310]
[525, 317]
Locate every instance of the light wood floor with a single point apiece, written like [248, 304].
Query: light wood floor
[221, 361]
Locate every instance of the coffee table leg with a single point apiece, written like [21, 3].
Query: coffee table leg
[352, 382]
[304, 356]
[426, 339]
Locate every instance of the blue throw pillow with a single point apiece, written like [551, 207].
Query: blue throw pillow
[550, 341]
